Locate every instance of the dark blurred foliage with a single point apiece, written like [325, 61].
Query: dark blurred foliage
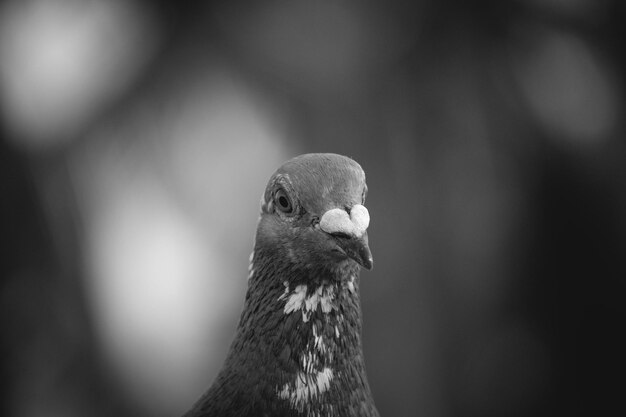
[492, 136]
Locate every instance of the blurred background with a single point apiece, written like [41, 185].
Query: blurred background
[137, 136]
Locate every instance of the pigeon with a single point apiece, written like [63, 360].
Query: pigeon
[297, 349]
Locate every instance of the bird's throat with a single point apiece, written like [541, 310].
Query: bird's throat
[304, 332]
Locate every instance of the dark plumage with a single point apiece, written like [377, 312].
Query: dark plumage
[297, 350]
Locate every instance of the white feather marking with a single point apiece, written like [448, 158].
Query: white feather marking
[317, 339]
[251, 265]
[306, 387]
[319, 343]
[326, 300]
[351, 284]
[309, 362]
[309, 382]
[310, 304]
[296, 299]
[285, 293]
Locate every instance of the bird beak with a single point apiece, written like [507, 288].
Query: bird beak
[350, 232]
[357, 250]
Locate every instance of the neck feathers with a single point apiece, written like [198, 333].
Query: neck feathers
[298, 346]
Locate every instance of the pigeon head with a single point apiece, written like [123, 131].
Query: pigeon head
[313, 214]
[297, 350]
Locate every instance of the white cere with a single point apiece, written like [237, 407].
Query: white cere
[339, 221]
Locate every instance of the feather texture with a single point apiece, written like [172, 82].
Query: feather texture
[297, 350]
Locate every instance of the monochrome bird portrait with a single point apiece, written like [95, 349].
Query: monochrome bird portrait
[297, 350]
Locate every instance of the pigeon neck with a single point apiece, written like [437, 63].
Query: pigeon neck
[302, 330]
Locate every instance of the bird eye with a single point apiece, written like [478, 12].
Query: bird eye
[283, 202]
